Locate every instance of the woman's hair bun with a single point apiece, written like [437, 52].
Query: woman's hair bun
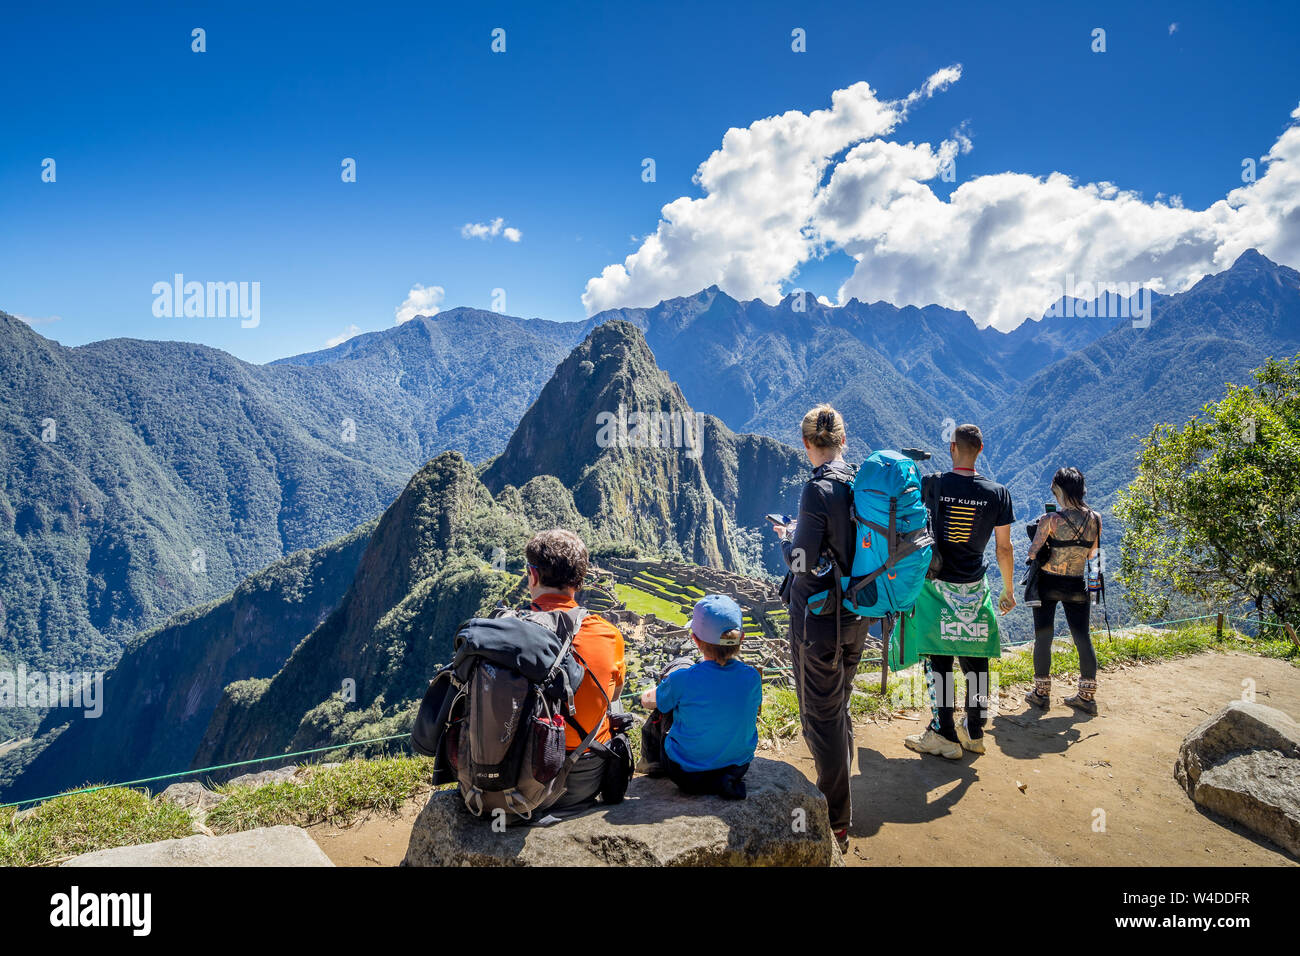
[823, 427]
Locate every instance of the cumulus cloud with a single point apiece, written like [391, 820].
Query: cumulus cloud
[490, 230]
[342, 337]
[795, 187]
[420, 300]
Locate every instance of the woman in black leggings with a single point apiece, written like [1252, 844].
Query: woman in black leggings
[824, 651]
[1071, 535]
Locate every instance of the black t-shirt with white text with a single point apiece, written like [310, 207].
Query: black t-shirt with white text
[970, 507]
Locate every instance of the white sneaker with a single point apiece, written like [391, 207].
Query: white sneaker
[933, 742]
[974, 744]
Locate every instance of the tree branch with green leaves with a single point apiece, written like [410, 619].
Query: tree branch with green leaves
[1213, 516]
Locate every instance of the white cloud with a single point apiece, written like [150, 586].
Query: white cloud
[420, 301]
[490, 230]
[1173, 28]
[795, 187]
[33, 321]
[747, 233]
[342, 337]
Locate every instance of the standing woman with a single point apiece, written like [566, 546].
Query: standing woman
[825, 657]
[1071, 536]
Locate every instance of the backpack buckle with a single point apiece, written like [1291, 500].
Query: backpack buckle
[512, 797]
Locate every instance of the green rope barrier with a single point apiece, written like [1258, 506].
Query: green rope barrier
[189, 773]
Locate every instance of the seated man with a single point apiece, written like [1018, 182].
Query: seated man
[710, 709]
[557, 566]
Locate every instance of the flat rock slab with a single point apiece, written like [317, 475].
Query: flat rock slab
[270, 846]
[782, 822]
[1244, 763]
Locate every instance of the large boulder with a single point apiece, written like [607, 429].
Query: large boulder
[1244, 763]
[782, 822]
[191, 796]
[270, 846]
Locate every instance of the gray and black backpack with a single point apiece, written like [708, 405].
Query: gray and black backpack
[494, 720]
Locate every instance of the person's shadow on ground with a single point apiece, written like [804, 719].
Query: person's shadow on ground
[896, 790]
[1029, 735]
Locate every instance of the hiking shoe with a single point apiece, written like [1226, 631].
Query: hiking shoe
[651, 768]
[1041, 701]
[842, 839]
[1086, 704]
[933, 742]
[974, 744]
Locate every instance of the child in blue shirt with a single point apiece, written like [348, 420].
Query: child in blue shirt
[703, 729]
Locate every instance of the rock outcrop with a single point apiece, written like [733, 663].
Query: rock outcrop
[782, 822]
[270, 846]
[1244, 763]
[192, 796]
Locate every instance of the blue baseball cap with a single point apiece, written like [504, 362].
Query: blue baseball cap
[714, 616]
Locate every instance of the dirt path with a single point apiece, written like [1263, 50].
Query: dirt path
[377, 840]
[910, 809]
[913, 809]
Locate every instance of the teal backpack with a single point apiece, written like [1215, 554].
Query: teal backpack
[892, 549]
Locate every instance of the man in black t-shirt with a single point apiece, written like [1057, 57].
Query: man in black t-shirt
[966, 509]
[971, 508]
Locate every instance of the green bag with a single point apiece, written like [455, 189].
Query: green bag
[957, 619]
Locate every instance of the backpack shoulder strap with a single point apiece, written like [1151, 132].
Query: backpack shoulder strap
[588, 736]
[931, 494]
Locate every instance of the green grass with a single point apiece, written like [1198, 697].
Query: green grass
[336, 795]
[643, 602]
[1131, 648]
[80, 823]
[691, 588]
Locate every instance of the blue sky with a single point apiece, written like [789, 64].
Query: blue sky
[225, 165]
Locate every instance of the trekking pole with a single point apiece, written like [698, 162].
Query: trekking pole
[1105, 611]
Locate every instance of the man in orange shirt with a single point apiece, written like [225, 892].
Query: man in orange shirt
[557, 566]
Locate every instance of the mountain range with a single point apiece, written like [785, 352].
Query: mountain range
[160, 449]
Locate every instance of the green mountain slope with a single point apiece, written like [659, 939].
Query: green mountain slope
[159, 698]
[140, 478]
[650, 487]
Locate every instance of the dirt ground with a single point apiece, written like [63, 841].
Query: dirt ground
[378, 840]
[1041, 794]
[914, 809]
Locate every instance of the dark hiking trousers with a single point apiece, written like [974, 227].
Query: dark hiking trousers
[943, 693]
[725, 782]
[581, 789]
[1078, 616]
[824, 667]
